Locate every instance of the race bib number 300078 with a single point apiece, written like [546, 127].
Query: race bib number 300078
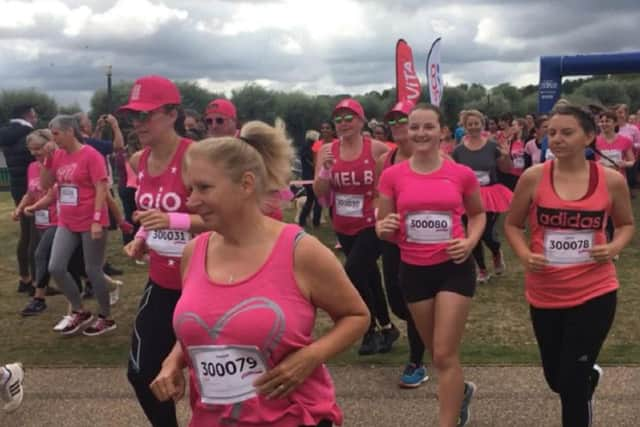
[567, 247]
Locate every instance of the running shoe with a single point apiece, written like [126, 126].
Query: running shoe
[483, 276]
[387, 337]
[465, 411]
[12, 391]
[100, 327]
[35, 307]
[370, 343]
[63, 323]
[111, 270]
[413, 376]
[595, 377]
[24, 287]
[499, 265]
[79, 321]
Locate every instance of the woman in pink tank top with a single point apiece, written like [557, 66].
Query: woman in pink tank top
[166, 227]
[570, 279]
[346, 169]
[245, 319]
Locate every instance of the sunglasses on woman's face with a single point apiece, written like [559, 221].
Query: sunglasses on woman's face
[140, 116]
[347, 118]
[218, 120]
[400, 121]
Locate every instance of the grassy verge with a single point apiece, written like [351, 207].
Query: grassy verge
[498, 331]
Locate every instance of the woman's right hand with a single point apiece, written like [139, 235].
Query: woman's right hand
[169, 384]
[135, 249]
[387, 226]
[15, 215]
[327, 157]
[533, 262]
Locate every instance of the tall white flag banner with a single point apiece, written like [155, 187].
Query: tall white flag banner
[434, 74]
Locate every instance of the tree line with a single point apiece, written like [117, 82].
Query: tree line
[303, 111]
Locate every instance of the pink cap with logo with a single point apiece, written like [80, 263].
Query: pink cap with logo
[402, 107]
[222, 107]
[151, 92]
[353, 105]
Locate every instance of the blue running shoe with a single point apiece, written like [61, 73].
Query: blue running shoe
[413, 376]
[465, 411]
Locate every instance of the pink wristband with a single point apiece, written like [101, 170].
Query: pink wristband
[141, 234]
[324, 173]
[179, 221]
[97, 216]
[46, 163]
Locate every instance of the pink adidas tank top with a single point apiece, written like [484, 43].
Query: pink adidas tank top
[165, 192]
[564, 231]
[353, 186]
[226, 329]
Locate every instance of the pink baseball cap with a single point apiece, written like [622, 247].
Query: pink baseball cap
[402, 107]
[151, 92]
[353, 105]
[223, 107]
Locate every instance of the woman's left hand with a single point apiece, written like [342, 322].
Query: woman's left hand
[288, 374]
[459, 250]
[153, 219]
[602, 253]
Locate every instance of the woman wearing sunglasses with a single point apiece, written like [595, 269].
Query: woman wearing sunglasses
[166, 227]
[415, 373]
[347, 168]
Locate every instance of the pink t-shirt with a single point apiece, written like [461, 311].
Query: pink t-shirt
[77, 174]
[532, 149]
[613, 150]
[43, 218]
[430, 207]
[517, 158]
[633, 133]
[268, 315]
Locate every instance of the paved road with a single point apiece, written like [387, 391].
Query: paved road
[507, 396]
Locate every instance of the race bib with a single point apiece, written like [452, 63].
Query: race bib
[567, 247]
[225, 373]
[483, 177]
[350, 205]
[169, 243]
[68, 195]
[428, 227]
[518, 162]
[42, 217]
[615, 155]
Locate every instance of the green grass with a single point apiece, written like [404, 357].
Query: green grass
[498, 331]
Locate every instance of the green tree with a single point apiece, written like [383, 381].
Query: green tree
[70, 109]
[99, 102]
[607, 92]
[254, 102]
[475, 92]
[453, 99]
[44, 105]
[491, 106]
[196, 97]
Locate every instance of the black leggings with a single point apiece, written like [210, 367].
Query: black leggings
[152, 341]
[311, 202]
[570, 340]
[489, 237]
[362, 251]
[26, 249]
[391, 273]
[323, 423]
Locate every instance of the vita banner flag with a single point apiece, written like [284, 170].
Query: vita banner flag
[407, 82]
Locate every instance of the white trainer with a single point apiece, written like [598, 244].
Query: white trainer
[12, 391]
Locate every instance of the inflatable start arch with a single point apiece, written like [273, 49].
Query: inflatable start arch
[553, 68]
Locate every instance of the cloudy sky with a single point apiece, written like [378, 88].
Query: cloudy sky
[328, 46]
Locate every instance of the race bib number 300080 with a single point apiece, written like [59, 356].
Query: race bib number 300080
[428, 227]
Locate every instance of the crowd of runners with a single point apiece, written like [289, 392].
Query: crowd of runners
[232, 290]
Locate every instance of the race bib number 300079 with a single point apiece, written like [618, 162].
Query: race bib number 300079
[226, 373]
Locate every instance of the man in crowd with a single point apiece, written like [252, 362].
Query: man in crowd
[221, 118]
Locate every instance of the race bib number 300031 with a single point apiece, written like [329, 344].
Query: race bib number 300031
[226, 373]
[428, 227]
[567, 247]
[167, 242]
